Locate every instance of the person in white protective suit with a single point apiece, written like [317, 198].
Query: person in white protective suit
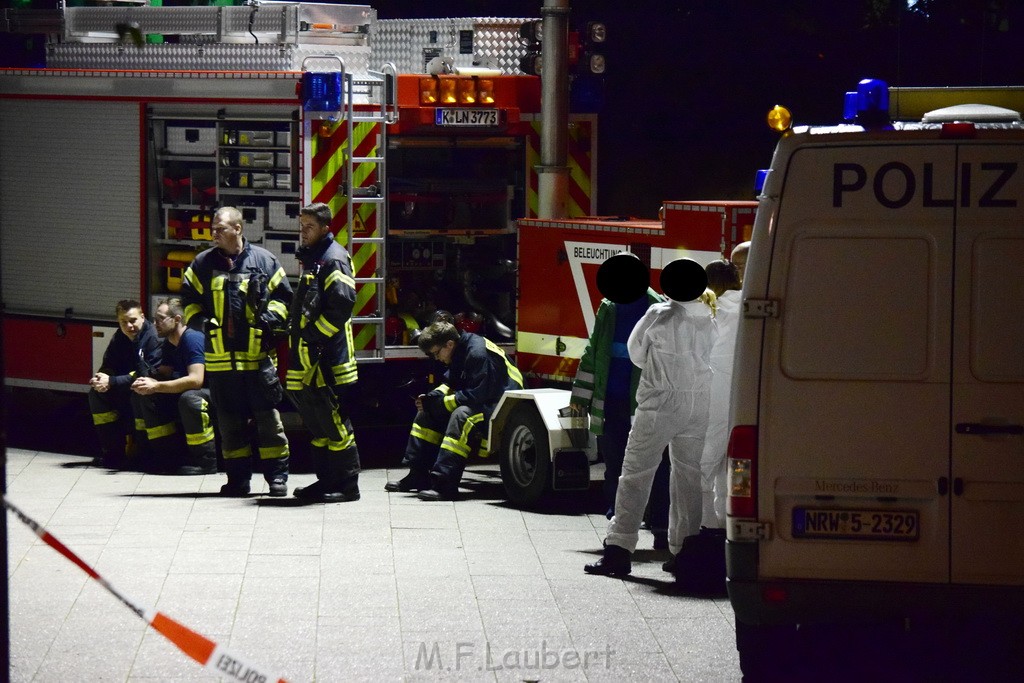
[672, 346]
[724, 281]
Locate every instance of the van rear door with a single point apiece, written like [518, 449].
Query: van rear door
[854, 429]
[988, 369]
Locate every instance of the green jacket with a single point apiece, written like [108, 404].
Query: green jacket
[591, 381]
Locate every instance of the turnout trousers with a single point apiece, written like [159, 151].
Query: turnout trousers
[238, 396]
[441, 446]
[679, 420]
[163, 413]
[113, 417]
[335, 456]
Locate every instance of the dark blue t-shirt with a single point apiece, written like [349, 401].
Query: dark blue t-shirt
[189, 351]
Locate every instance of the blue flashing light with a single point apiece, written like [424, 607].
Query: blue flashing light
[321, 91]
[759, 179]
[869, 104]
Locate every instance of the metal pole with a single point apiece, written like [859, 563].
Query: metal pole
[553, 173]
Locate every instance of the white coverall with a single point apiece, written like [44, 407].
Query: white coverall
[672, 347]
[713, 463]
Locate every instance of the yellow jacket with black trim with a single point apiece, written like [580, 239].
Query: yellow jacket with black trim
[320, 347]
[240, 303]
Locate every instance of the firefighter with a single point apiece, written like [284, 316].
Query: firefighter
[606, 381]
[450, 419]
[321, 360]
[135, 343]
[237, 293]
[672, 345]
[174, 394]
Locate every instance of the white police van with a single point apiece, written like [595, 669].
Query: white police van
[876, 456]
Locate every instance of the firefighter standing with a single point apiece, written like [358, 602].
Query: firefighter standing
[238, 294]
[321, 361]
[449, 418]
[174, 394]
[134, 344]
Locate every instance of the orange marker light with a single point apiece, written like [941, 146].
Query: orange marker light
[428, 91]
[467, 91]
[485, 91]
[447, 90]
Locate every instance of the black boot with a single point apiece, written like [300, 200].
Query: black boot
[337, 478]
[344, 477]
[239, 471]
[113, 438]
[445, 477]
[416, 480]
[615, 562]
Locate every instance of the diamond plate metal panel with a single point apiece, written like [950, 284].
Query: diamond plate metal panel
[406, 41]
[190, 57]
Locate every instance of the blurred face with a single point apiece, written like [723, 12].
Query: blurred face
[311, 230]
[163, 320]
[131, 322]
[226, 236]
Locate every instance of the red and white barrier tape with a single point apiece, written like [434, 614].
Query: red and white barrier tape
[200, 648]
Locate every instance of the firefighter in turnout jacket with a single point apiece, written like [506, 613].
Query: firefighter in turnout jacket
[321, 361]
[450, 418]
[134, 346]
[606, 381]
[238, 294]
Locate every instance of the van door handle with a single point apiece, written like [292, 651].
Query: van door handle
[984, 429]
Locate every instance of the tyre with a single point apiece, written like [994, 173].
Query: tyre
[525, 456]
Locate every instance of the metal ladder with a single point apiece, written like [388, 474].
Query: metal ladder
[377, 88]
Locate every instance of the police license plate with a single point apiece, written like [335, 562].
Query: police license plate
[466, 117]
[868, 525]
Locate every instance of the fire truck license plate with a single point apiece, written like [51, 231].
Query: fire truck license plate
[466, 117]
[868, 525]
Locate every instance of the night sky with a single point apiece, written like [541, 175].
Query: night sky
[689, 83]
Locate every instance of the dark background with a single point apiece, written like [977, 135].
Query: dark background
[689, 82]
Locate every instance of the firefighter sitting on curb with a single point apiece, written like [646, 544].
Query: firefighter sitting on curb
[134, 343]
[321, 362]
[449, 418]
[672, 346]
[238, 294]
[174, 393]
[606, 381]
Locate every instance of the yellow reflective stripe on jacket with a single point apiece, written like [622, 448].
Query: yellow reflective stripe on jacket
[191, 278]
[450, 403]
[275, 280]
[513, 371]
[325, 327]
[346, 373]
[336, 276]
[278, 308]
[190, 311]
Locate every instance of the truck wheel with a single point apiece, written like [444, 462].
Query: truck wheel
[525, 456]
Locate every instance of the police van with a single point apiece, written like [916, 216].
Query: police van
[876, 458]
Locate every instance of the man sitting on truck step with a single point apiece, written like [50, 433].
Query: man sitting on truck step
[672, 346]
[135, 343]
[450, 419]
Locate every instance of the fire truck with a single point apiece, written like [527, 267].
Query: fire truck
[423, 136]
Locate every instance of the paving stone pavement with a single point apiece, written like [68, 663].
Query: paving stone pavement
[387, 588]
